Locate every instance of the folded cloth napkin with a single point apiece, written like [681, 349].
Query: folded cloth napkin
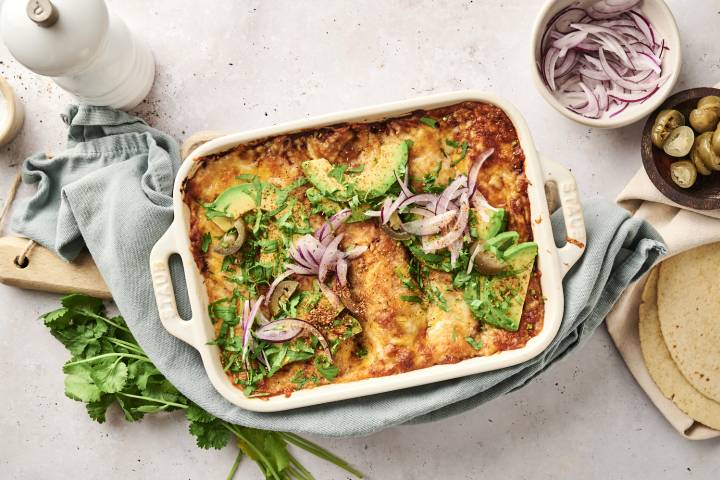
[682, 229]
[111, 192]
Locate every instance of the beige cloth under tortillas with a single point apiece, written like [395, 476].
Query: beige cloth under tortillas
[682, 229]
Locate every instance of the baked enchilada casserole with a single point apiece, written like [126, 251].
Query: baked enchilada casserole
[367, 249]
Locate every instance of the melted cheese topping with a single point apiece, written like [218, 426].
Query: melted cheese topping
[397, 335]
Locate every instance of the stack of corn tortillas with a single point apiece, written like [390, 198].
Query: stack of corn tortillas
[680, 331]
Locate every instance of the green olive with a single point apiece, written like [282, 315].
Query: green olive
[715, 140]
[665, 122]
[233, 239]
[703, 120]
[711, 102]
[486, 262]
[706, 153]
[281, 295]
[683, 173]
[679, 142]
[699, 164]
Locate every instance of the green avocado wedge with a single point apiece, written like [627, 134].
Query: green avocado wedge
[489, 221]
[499, 300]
[234, 203]
[374, 181]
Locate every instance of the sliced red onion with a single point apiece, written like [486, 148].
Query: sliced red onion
[456, 232]
[644, 25]
[549, 66]
[422, 212]
[355, 252]
[474, 254]
[422, 198]
[280, 331]
[403, 184]
[429, 226]
[592, 108]
[614, 7]
[342, 269]
[567, 17]
[248, 322]
[621, 61]
[567, 64]
[329, 257]
[447, 194]
[475, 169]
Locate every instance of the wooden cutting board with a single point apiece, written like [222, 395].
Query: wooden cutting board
[45, 271]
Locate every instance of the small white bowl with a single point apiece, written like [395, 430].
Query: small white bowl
[664, 23]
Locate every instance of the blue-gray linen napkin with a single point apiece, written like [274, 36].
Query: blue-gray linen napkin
[110, 191]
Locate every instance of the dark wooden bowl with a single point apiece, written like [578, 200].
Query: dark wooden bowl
[705, 194]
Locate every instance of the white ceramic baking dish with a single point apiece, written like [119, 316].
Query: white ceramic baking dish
[553, 262]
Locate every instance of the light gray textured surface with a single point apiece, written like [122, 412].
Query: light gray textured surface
[239, 65]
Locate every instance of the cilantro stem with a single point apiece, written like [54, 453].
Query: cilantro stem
[319, 451]
[252, 447]
[235, 465]
[108, 355]
[150, 399]
[302, 472]
[90, 314]
[128, 345]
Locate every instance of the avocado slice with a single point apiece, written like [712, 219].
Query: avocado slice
[499, 300]
[375, 179]
[234, 202]
[379, 176]
[490, 221]
[318, 172]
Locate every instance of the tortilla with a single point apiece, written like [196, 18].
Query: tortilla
[689, 312]
[661, 367]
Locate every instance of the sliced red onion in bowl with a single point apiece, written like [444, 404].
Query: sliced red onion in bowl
[611, 55]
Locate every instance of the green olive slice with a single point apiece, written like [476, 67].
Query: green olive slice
[683, 173]
[233, 239]
[703, 120]
[679, 142]
[282, 293]
[715, 140]
[699, 164]
[486, 262]
[711, 102]
[665, 122]
[706, 153]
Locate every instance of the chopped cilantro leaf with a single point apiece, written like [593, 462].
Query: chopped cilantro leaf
[206, 240]
[411, 298]
[337, 172]
[451, 143]
[430, 122]
[357, 169]
[326, 369]
[476, 344]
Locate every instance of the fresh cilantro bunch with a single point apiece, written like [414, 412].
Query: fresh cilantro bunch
[108, 367]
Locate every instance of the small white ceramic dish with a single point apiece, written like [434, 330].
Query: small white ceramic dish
[662, 20]
[553, 262]
[12, 113]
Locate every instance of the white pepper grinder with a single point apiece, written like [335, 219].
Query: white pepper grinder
[85, 49]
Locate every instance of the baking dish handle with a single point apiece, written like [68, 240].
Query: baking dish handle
[164, 290]
[569, 196]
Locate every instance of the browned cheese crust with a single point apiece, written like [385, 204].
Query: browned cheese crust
[398, 336]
